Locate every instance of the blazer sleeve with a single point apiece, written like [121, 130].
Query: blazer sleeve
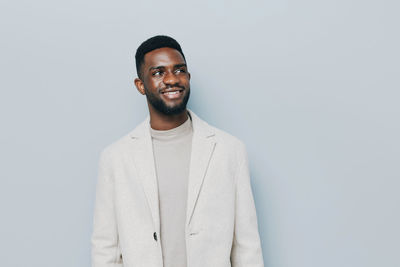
[246, 246]
[105, 245]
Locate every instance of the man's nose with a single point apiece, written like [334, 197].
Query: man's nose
[170, 78]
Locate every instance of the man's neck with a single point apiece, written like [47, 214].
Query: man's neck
[160, 121]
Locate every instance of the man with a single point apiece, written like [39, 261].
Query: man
[175, 191]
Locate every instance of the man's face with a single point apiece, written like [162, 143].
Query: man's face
[165, 80]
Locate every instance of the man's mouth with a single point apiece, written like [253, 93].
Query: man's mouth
[172, 93]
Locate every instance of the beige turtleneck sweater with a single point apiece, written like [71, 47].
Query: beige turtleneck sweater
[172, 149]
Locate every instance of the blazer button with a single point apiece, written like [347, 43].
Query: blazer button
[155, 236]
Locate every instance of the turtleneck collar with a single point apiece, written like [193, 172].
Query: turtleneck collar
[174, 133]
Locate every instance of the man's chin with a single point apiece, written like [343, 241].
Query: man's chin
[170, 110]
[174, 110]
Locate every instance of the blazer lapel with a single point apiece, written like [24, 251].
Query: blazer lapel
[203, 145]
[144, 162]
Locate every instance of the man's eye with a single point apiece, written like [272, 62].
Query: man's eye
[157, 73]
[180, 71]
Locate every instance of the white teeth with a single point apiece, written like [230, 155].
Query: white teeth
[172, 93]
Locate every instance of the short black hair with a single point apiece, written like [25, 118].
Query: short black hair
[153, 43]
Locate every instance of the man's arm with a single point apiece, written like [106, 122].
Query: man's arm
[246, 247]
[105, 245]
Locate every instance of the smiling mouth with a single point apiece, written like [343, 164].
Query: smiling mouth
[173, 94]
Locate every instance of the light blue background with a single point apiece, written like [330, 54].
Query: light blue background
[311, 87]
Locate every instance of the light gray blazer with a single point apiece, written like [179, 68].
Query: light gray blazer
[221, 222]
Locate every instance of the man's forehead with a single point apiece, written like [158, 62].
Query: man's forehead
[163, 56]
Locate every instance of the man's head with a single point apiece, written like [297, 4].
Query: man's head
[163, 74]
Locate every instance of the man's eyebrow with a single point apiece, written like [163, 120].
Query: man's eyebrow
[162, 67]
[155, 68]
[180, 65]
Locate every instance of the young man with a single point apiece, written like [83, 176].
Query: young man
[175, 191]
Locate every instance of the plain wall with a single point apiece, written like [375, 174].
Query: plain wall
[311, 87]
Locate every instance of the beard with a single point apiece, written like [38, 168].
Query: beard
[157, 102]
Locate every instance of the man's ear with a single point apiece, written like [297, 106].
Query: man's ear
[140, 86]
[189, 75]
